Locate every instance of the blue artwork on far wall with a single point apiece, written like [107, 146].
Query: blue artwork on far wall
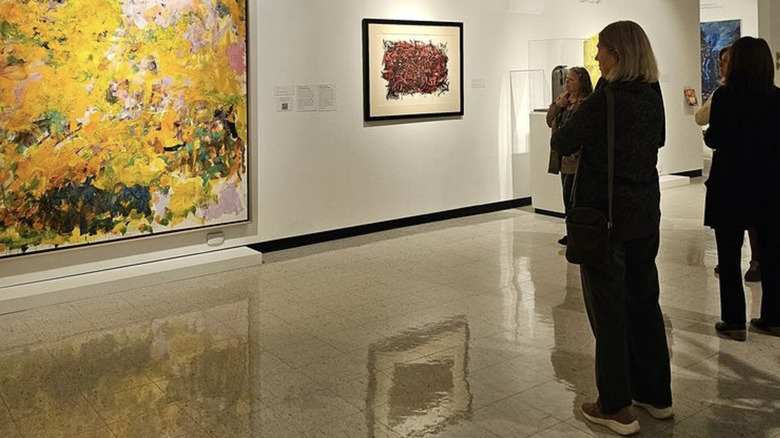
[714, 36]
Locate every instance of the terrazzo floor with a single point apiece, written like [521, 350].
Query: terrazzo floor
[470, 328]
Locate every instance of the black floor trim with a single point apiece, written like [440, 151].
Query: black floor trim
[690, 173]
[549, 213]
[325, 236]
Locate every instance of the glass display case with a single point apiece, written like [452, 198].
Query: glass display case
[546, 55]
[528, 94]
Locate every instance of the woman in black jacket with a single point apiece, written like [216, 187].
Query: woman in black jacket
[743, 190]
[632, 358]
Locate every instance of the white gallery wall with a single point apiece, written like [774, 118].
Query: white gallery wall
[318, 171]
[769, 29]
[328, 170]
[744, 10]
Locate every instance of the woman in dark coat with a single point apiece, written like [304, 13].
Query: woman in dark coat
[743, 190]
[632, 358]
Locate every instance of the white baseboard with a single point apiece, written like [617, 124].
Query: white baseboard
[76, 287]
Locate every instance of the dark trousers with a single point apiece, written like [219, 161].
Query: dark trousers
[567, 182]
[632, 357]
[732, 294]
[754, 252]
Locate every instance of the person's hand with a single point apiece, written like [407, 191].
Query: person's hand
[562, 101]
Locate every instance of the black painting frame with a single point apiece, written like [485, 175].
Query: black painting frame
[453, 106]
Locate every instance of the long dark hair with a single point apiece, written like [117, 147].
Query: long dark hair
[751, 70]
[586, 86]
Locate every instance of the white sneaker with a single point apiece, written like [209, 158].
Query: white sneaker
[657, 413]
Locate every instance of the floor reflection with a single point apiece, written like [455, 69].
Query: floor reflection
[573, 366]
[474, 328]
[177, 376]
[418, 383]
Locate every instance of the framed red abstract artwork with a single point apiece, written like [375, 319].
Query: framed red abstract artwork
[412, 69]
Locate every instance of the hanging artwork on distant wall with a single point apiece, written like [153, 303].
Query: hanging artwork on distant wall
[690, 96]
[589, 51]
[715, 35]
[412, 69]
[120, 118]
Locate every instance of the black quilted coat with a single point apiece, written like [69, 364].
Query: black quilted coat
[639, 132]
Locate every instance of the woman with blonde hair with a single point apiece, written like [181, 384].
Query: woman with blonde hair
[621, 297]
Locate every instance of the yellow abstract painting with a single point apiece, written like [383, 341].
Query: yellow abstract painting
[120, 118]
[589, 51]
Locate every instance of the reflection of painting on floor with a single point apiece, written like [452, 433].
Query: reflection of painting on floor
[120, 118]
[176, 375]
[418, 380]
[714, 36]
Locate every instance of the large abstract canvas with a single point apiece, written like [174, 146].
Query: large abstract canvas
[120, 118]
[412, 69]
[715, 35]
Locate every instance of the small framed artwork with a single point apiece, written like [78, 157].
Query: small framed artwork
[412, 69]
[690, 96]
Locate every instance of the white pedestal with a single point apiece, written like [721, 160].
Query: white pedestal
[546, 190]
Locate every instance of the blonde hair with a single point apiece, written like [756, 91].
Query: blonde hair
[628, 43]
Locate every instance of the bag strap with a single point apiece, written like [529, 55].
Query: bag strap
[610, 148]
[610, 156]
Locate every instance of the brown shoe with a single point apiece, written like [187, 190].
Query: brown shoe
[622, 422]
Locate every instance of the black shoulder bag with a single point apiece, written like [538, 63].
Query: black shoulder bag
[587, 228]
